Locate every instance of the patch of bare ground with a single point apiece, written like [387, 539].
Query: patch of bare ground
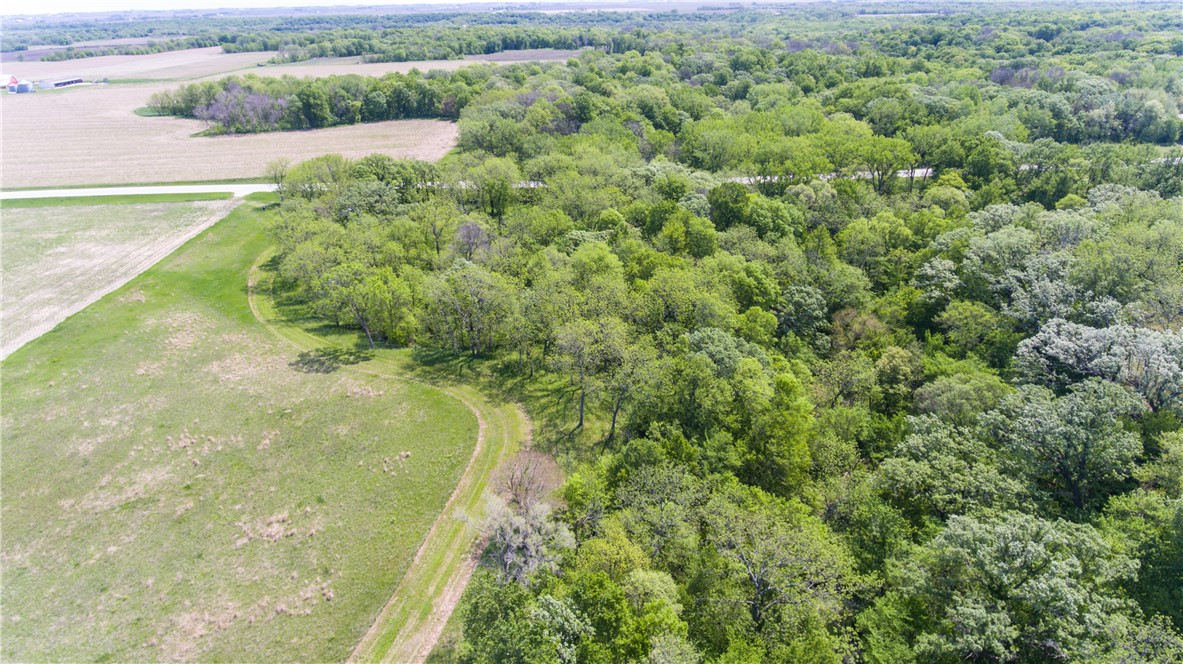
[112, 493]
[250, 364]
[180, 641]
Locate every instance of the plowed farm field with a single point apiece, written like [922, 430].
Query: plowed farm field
[93, 136]
[90, 134]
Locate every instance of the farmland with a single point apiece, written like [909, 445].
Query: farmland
[174, 65]
[58, 259]
[198, 63]
[181, 484]
[107, 143]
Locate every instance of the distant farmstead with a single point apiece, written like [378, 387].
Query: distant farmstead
[15, 85]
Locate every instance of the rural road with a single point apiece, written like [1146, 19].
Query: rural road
[236, 190]
[240, 190]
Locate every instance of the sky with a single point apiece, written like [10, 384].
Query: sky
[62, 6]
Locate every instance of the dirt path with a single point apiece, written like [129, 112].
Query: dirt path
[409, 625]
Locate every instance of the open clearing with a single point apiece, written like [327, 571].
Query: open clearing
[96, 138]
[57, 260]
[180, 484]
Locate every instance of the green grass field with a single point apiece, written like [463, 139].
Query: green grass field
[407, 627]
[180, 483]
[57, 259]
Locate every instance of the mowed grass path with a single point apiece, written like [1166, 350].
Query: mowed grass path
[411, 622]
[178, 483]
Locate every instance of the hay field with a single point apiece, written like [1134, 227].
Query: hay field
[179, 484]
[57, 260]
[92, 136]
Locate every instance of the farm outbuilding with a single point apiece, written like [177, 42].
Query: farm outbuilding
[59, 83]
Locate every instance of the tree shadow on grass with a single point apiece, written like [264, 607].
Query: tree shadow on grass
[328, 359]
[551, 400]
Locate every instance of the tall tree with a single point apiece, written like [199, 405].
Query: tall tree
[495, 180]
[788, 565]
[1073, 446]
[1008, 588]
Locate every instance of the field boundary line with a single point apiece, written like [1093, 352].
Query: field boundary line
[153, 256]
[410, 622]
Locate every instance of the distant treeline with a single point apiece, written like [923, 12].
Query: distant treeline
[74, 53]
[381, 38]
[408, 44]
[395, 45]
[253, 104]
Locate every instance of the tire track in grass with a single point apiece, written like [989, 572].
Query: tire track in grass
[408, 626]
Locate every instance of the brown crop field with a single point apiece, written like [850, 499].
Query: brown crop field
[211, 62]
[93, 136]
[173, 65]
[57, 260]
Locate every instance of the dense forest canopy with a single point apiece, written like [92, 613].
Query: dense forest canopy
[871, 335]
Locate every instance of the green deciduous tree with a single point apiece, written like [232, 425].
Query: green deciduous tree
[1007, 588]
[787, 565]
[1073, 446]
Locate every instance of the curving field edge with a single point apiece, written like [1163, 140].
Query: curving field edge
[408, 626]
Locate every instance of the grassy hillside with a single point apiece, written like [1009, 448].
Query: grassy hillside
[179, 484]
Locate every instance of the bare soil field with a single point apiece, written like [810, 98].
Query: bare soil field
[92, 136]
[57, 260]
[213, 63]
[173, 65]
